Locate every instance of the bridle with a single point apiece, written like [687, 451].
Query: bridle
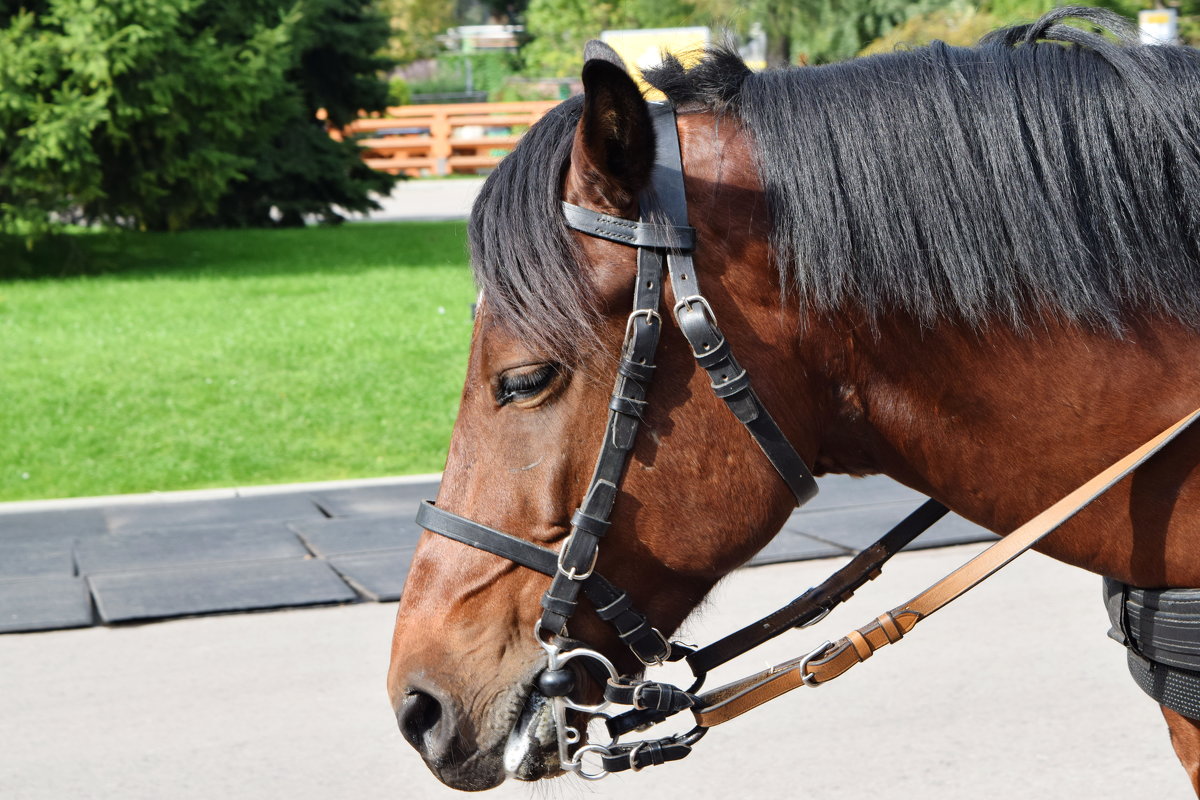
[663, 238]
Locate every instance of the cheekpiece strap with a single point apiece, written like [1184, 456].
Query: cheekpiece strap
[699, 326]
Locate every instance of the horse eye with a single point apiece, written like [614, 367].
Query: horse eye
[524, 383]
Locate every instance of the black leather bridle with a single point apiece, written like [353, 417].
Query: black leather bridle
[662, 237]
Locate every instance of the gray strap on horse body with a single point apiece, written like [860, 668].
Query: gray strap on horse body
[1161, 629]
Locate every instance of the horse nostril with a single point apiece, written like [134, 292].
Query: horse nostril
[419, 717]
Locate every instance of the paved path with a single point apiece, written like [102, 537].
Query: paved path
[426, 201]
[117, 560]
[1013, 692]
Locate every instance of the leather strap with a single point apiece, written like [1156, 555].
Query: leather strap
[832, 660]
[699, 326]
[626, 231]
[612, 604]
[814, 604]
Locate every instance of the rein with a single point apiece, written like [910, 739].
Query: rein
[664, 239]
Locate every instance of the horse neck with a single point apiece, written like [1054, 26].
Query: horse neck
[998, 425]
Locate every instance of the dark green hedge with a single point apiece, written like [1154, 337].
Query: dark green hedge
[169, 114]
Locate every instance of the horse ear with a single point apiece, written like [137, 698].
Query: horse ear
[613, 151]
[596, 50]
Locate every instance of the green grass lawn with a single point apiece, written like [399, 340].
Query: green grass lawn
[227, 358]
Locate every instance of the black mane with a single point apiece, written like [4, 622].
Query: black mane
[1016, 178]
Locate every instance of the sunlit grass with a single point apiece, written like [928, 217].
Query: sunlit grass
[221, 358]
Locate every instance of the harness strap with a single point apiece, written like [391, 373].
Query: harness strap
[579, 552]
[832, 660]
[626, 231]
[699, 326]
[612, 605]
[814, 604]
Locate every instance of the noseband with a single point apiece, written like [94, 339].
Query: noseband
[663, 238]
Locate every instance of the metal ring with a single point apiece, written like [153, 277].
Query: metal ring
[564, 657]
[805, 675]
[576, 764]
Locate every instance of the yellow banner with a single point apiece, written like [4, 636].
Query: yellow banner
[641, 49]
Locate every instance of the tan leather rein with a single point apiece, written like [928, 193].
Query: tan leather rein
[831, 660]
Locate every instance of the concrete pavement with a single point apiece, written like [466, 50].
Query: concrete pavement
[428, 200]
[1013, 692]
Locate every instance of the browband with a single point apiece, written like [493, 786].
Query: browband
[636, 233]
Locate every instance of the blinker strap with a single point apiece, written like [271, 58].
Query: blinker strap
[627, 231]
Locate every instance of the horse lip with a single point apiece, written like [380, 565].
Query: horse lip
[531, 749]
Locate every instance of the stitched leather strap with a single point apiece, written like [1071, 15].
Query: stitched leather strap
[820, 600]
[695, 317]
[626, 231]
[833, 660]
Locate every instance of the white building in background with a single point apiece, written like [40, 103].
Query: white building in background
[1159, 26]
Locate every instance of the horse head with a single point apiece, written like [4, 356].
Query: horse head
[698, 496]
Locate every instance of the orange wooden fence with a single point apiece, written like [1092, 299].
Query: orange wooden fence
[443, 139]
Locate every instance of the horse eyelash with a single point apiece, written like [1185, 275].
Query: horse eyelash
[510, 387]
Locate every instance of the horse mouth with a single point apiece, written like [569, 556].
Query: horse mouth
[531, 750]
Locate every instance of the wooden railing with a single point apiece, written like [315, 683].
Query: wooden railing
[443, 139]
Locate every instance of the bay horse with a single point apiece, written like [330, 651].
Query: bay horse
[975, 270]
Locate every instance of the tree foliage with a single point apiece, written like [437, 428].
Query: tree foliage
[963, 23]
[559, 28]
[415, 26]
[958, 23]
[152, 113]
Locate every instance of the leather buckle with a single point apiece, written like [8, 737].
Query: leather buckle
[709, 318]
[571, 574]
[651, 316]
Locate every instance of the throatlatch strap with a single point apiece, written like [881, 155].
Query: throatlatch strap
[1161, 628]
[695, 317]
[831, 660]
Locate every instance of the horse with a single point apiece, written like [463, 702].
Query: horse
[973, 269]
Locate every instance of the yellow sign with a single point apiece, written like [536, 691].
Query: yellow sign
[641, 49]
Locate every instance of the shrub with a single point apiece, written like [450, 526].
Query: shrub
[165, 114]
